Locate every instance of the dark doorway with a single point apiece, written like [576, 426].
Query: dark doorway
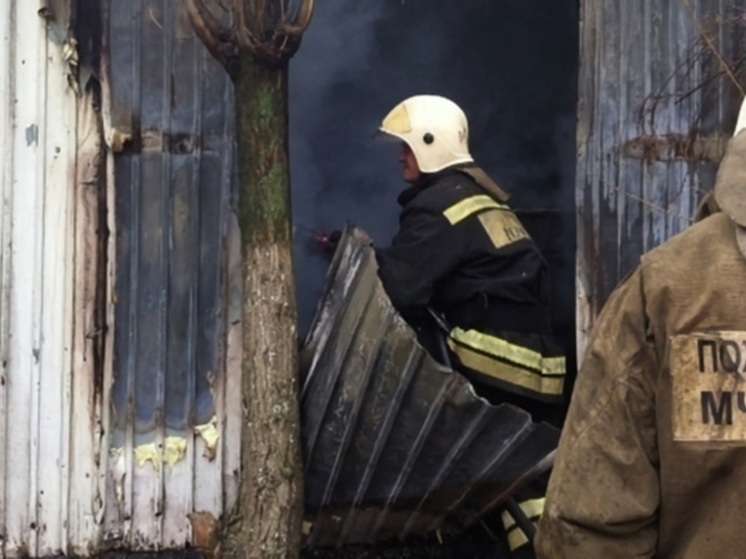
[512, 65]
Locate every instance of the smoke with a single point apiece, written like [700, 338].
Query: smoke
[339, 174]
[511, 65]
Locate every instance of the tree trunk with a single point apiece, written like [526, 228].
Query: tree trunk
[268, 523]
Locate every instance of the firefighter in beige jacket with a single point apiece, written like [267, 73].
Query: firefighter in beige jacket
[652, 460]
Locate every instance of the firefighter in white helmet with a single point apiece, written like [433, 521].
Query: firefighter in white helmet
[651, 462]
[461, 251]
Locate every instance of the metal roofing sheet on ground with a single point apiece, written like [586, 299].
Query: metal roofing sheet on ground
[396, 444]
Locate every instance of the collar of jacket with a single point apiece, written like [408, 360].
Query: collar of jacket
[427, 180]
[474, 172]
[484, 181]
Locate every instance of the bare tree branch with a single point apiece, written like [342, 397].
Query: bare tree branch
[270, 28]
[711, 45]
[217, 38]
[306, 13]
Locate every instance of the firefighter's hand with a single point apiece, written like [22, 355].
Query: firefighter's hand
[328, 242]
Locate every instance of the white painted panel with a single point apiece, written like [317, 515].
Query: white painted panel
[208, 489]
[6, 177]
[177, 495]
[59, 148]
[37, 234]
[61, 488]
[25, 280]
[146, 475]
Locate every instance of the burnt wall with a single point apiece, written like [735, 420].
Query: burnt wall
[511, 65]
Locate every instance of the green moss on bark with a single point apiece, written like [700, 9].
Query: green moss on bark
[262, 124]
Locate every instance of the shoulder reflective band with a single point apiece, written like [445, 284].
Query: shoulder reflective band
[473, 204]
[509, 363]
[533, 509]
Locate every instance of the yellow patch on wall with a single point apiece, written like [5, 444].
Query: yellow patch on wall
[211, 435]
[172, 452]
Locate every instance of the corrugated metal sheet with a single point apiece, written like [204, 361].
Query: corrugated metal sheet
[173, 180]
[657, 102]
[39, 506]
[396, 444]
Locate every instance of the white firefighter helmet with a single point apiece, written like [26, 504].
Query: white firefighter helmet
[435, 128]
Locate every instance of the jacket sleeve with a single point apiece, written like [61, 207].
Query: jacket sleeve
[426, 249]
[603, 494]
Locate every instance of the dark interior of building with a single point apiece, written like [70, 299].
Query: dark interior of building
[511, 65]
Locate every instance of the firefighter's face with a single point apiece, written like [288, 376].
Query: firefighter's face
[411, 170]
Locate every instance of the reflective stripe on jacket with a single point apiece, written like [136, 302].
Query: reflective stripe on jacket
[533, 509]
[512, 366]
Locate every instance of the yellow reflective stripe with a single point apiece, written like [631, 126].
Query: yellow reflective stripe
[516, 539]
[533, 509]
[473, 204]
[505, 372]
[552, 366]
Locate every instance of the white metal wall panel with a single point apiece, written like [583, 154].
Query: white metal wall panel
[24, 285]
[6, 177]
[62, 489]
[38, 127]
[58, 113]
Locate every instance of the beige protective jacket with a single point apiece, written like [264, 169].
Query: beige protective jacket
[652, 460]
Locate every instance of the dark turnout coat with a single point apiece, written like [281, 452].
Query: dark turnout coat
[466, 254]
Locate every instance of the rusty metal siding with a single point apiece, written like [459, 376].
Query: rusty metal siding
[173, 181]
[395, 444]
[656, 105]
